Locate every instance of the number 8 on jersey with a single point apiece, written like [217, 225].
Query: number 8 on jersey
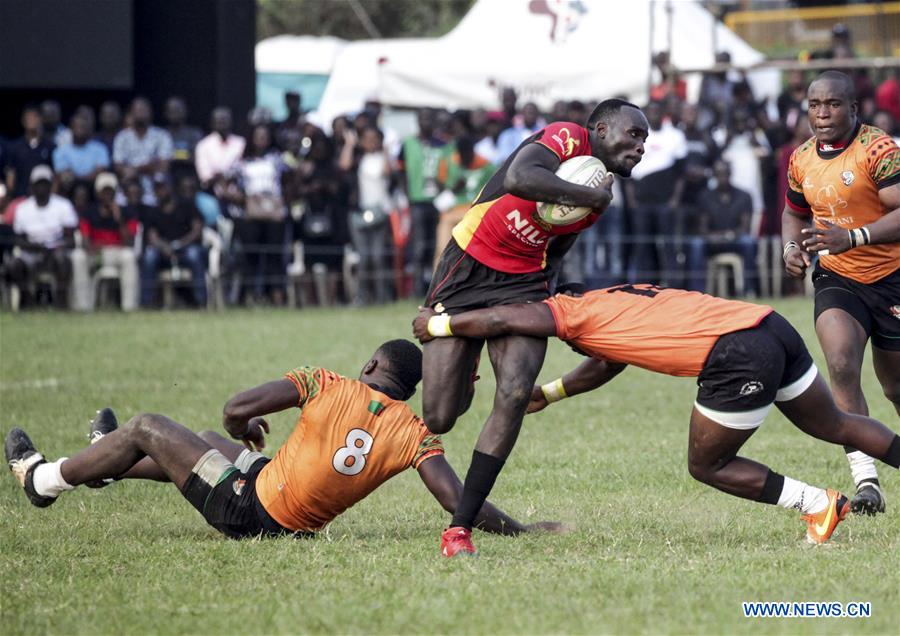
[359, 443]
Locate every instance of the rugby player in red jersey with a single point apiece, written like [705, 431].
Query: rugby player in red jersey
[501, 253]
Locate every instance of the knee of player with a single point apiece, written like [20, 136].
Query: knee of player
[844, 370]
[892, 391]
[439, 423]
[700, 470]
[514, 391]
[143, 423]
[210, 437]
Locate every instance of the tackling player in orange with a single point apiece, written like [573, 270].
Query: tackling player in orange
[843, 203]
[746, 358]
[352, 436]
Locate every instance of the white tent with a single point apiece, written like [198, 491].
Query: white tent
[301, 54]
[355, 76]
[296, 63]
[546, 49]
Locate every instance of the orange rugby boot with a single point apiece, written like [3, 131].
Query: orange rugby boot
[820, 525]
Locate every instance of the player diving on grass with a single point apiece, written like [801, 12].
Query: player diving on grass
[351, 437]
[502, 254]
[745, 357]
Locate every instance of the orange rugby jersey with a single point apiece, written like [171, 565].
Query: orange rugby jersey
[502, 231]
[664, 330]
[349, 440]
[841, 186]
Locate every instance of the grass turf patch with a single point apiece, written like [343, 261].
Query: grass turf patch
[652, 551]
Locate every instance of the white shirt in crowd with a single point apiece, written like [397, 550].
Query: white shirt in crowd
[215, 155]
[487, 148]
[661, 150]
[744, 158]
[45, 225]
[373, 182]
[261, 175]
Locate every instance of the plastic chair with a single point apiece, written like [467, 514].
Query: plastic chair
[717, 273]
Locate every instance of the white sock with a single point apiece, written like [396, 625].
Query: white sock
[861, 466]
[803, 497]
[48, 479]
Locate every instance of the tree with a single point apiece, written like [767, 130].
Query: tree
[359, 19]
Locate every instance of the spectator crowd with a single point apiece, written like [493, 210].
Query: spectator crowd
[118, 207]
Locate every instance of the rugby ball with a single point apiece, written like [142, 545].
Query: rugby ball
[585, 170]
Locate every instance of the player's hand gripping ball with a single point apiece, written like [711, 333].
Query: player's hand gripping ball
[587, 171]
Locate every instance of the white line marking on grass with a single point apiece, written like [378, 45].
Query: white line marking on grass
[44, 383]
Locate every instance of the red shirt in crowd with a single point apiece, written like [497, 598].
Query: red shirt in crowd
[102, 230]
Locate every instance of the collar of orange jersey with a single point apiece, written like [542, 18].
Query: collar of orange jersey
[829, 151]
[391, 392]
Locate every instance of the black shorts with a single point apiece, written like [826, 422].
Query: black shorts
[461, 283]
[875, 306]
[226, 496]
[747, 371]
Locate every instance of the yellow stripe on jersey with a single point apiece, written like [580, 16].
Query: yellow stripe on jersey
[465, 229]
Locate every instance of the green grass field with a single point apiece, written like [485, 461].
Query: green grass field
[652, 551]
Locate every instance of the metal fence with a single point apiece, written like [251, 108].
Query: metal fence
[874, 28]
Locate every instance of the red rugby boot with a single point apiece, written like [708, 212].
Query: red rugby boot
[457, 541]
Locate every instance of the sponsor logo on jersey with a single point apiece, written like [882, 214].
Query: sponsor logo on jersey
[523, 229]
[828, 197]
[895, 311]
[566, 143]
[751, 387]
[808, 184]
[847, 177]
[238, 486]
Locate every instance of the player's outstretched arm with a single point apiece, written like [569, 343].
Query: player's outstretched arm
[242, 415]
[533, 319]
[442, 482]
[587, 376]
[532, 176]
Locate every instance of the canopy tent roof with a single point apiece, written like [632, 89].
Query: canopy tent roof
[546, 49]
[301, 54]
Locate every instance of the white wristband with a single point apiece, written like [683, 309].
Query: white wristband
[554, 391]
[789, 246]
[439, 326]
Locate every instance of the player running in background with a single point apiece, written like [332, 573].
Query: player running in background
[351, 437]
[746, 358]
[500, 254]
[846, 179]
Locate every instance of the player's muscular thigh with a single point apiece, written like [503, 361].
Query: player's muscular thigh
[446, 372]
